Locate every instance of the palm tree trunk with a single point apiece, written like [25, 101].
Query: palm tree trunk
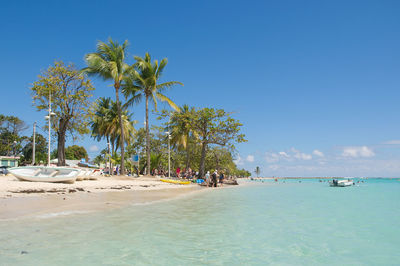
[203, 159]
[147, 136]
[187, 156]
[109, 154]
[122, 131]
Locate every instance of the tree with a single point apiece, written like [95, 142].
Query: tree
[143, 80]
[40, 149]
[76, 152]
[11, 140]
[181, 129]
[215, 127]
[108, 62]
[70, 99]
[257, 171]
[105, 123]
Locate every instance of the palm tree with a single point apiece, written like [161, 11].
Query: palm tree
[143, 81]
[99, 123]
[257, 171]
[181, 131]
[108, 63]
[105, 123]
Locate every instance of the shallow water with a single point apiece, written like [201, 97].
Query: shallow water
[287, 223]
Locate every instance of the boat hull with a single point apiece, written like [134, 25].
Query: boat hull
[45, 174]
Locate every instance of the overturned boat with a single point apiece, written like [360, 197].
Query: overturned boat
[45, 174]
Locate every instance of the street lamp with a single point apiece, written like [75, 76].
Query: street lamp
[48, 117]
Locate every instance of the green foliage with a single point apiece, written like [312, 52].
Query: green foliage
[11, 141]
[105, 122]
[75, 152]
[70, 94]
[40, 150]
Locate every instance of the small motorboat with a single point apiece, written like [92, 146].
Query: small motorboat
[341, 183]
[45, 174]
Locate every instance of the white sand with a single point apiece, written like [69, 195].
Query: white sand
[22, 199]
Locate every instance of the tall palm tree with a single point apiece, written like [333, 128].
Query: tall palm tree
[181, 131]
[143, 81]
[108, 62]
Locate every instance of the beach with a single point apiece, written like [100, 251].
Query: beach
[22, 199]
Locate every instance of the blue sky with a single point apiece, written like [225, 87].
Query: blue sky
[315, 83]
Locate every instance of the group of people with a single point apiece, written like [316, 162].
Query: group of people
[214, 179]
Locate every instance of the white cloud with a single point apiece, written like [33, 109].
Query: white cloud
[93, 148]
[392, 142]
[284, 154]
[356, 152]
[318, 153]
[250, 158]
[301, 156]
[271, 157]
[238, 160]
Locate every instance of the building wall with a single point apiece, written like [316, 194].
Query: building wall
[8, 162]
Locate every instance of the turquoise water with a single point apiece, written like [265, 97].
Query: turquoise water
[291, 223]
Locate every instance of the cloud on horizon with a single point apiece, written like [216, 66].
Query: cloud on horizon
[357, 152]
[392, 142]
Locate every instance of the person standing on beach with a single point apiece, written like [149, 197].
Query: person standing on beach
[208, 178]
[221, 178]
[214, 178]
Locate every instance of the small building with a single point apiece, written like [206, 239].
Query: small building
[9, 161]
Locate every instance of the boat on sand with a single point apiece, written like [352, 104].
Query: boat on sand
[45, 174]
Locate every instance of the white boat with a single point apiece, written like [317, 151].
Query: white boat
[45, 174]
[340, 183]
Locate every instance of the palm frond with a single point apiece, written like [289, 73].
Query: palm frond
[168, 100]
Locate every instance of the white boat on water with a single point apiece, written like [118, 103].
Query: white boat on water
[341, 183]
[45, 174]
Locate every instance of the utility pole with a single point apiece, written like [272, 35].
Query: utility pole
[34, 143]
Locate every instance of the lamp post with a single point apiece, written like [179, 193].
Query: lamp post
[169, 154]
[34, 143]
[49, 125]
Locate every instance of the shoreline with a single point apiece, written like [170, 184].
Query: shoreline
[20, 199]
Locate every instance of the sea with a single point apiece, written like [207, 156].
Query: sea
[290, 222]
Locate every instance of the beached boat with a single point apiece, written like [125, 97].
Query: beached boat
[182, 182]
[45, 174]
[340, 183]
